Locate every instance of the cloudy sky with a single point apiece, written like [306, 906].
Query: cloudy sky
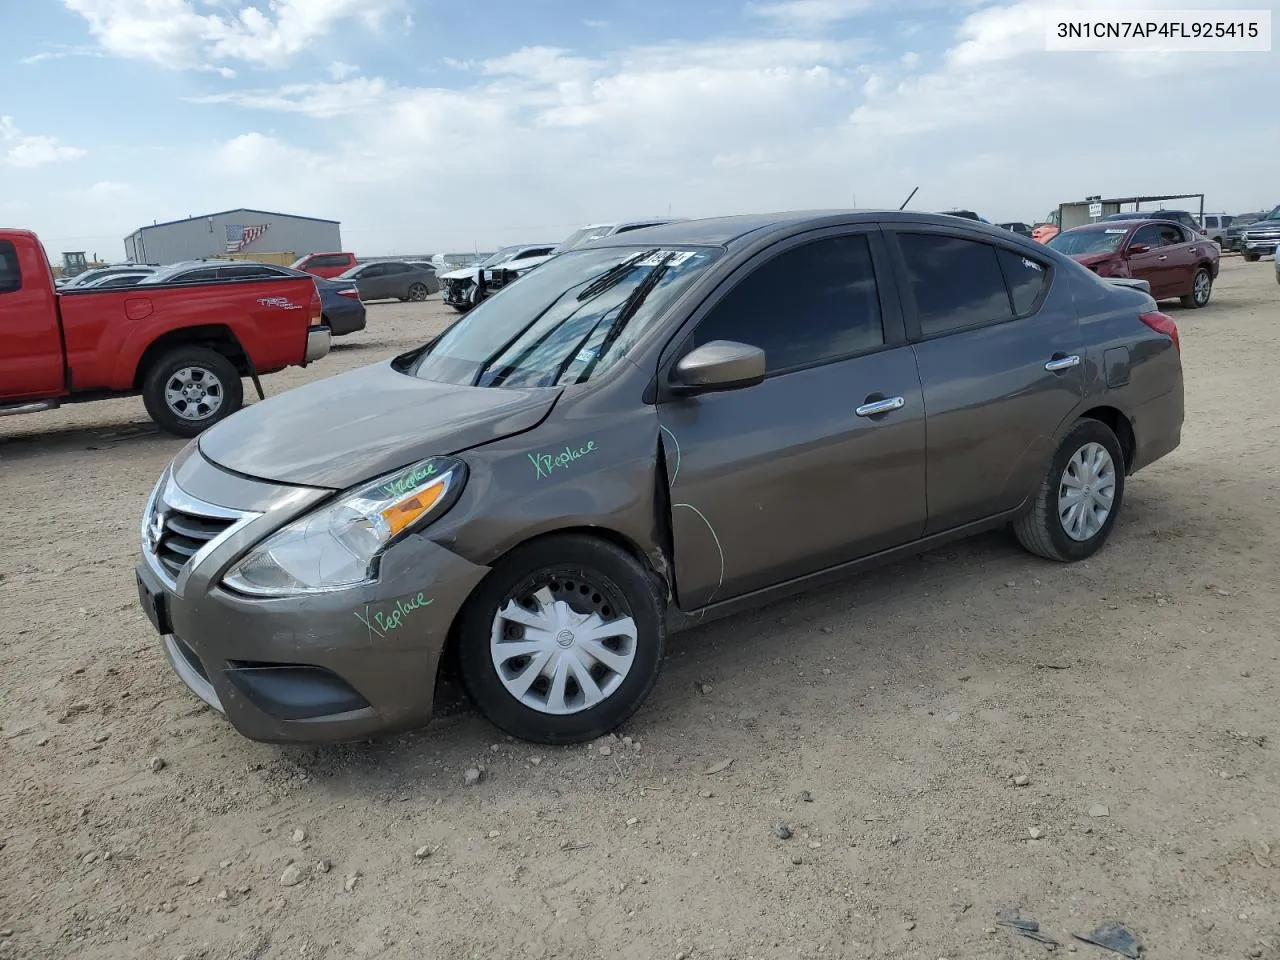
[446, 124]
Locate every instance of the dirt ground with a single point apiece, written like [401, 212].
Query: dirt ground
[888, 723]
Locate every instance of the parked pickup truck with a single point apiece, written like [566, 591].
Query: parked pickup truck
[184, 348]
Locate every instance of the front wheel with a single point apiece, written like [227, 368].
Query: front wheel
[563, 640]
[1252, 257]
[1201, 287]
[1078, 499]
[188, 389]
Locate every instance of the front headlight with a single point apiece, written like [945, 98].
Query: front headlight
[339, 544]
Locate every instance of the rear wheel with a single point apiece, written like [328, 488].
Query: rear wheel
[188, 389]
[1079, 497]
[563, 641]
[418, 292]
[1201, 287]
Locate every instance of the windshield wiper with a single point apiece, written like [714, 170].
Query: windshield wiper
[624, 315]
[613, 275]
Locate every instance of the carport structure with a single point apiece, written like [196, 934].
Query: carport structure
[1084, 211]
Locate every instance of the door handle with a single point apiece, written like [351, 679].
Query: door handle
[1062, 363]
[874, 407]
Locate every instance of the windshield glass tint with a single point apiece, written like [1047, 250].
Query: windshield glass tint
[565, 322]
[1088, 241]
[585, 235]
[502, 256]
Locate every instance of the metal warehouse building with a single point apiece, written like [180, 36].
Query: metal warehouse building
[232, 231]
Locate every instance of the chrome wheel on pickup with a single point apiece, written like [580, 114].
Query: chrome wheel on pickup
[189, 389]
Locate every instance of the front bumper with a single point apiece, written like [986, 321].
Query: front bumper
[1264, 247]
[320, 668]
[458, 293]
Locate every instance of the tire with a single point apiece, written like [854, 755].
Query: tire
[1201, 289]
[418, 292]
[1252, 257]
[596, 578]
[188, 366]
[1041, 530]
[460, 307]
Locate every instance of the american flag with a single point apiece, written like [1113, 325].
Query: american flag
[240, 236]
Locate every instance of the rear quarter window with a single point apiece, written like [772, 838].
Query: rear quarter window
[10, 271]
[1027, 279]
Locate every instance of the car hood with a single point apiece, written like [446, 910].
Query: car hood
[1262, 225]
[355, 426]
[466, 273]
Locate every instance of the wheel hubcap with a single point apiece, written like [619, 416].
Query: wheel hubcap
[418, 293]
[193, 393]
[1202, 287]
[1086, 492]
[562, 645]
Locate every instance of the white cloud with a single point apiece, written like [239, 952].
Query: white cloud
[311, 99]
[175, 34]
[809, 14]
[28, 151]
[340, 71]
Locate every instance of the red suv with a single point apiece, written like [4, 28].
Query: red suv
[1174, 260]
[325, 264]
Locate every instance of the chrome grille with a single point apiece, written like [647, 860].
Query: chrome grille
[183, 535]
[177, 528]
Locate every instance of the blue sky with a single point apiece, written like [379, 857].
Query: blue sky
[426, 125]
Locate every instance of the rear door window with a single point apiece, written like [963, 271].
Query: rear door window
[955, 283]
[1171, 235]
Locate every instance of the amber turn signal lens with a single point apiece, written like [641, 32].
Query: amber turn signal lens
[403, 513]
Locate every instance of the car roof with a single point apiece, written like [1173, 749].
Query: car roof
[727, 231]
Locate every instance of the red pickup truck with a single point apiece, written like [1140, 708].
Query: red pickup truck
[183, 347]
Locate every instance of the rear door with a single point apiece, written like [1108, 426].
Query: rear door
[823, 461]
[31, 360]
[1000, 360]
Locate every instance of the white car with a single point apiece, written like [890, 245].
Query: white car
[596, 231]
[462, 288]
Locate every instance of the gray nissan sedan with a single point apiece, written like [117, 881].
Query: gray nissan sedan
[644, 433]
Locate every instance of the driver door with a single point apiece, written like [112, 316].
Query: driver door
[824, 461]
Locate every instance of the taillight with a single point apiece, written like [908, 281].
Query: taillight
[317, 308]
[1162, 323]
[353, 293]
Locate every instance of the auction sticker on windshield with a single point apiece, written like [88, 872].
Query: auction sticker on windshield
[677, 257]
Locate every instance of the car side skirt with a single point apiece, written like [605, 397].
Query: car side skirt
[678, 619]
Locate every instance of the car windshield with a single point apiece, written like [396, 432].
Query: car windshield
[1272, 214]
[585, 235]
[565, 322]
[1088, 241]
[502, 256]
[350, 272]
[297, 264]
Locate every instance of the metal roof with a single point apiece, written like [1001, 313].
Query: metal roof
[206, 216]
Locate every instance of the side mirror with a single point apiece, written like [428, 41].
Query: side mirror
[1137, 248]
[718, 365]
